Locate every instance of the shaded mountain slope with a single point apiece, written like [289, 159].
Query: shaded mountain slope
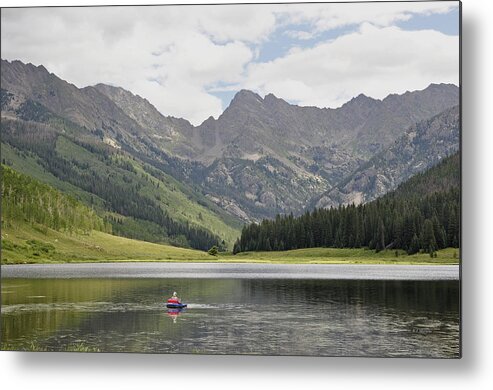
[422, 146]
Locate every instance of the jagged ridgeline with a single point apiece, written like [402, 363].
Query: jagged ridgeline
[25, 200]
[423, 214]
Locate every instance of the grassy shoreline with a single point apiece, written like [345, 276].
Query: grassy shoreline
[27, 245]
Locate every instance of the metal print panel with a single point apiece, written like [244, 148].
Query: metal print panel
[261, 179]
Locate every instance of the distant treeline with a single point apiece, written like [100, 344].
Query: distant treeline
[422, 215]
[27, 200]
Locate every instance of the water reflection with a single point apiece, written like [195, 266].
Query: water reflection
[280, 317]
[174, 313]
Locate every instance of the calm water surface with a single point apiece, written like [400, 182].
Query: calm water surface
[234, 316]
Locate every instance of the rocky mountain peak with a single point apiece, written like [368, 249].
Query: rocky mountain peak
[273, 101]
[440, 86]
[246, 97]
[209, 122]
[361, 101]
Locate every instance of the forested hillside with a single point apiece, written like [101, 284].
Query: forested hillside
[442, 177]
[138, 200]
[25, 200]
[43, 225]
[421, 215]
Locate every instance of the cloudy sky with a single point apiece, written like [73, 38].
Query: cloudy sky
[189, 61]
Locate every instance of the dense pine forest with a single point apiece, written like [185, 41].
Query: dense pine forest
[25, 200]
[422, 214]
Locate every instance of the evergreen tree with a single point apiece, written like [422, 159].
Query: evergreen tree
[428, 240]
[380, 237]
[414, 246]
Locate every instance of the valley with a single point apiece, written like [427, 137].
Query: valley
[159, 179]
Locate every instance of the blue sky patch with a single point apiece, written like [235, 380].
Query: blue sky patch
[446, 23]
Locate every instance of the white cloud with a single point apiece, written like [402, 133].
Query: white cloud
[237, 22]
[375, 61]
[325, 17]
[174, 55]
[161, 53]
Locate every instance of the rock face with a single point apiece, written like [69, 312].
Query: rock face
[262, 156]
[259, 188]
[422, 146]
[168, 133]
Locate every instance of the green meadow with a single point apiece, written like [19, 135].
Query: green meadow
[26, 243]
[345, 256]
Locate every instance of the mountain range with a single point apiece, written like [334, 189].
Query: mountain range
[262, 156]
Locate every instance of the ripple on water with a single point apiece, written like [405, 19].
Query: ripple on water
[101, 307]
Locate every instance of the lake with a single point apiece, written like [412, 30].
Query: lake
[234, 309]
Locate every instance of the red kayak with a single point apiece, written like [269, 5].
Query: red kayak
[174, 303]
